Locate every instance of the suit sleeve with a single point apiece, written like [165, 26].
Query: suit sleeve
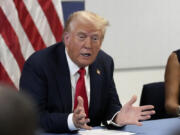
[114, 104]
[33, 81]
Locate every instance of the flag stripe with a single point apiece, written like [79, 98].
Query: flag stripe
[59, 10]
[4, 76]
[11, 13]
[54, 23]
[29, 26]
[9, 63]
[11, 39]
[40, 21]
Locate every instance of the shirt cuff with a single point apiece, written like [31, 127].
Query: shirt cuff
[71, 125]
[112, 122]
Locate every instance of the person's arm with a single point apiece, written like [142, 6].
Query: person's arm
[172, 80]
[34, 82]
[116, 115]
[113, 105]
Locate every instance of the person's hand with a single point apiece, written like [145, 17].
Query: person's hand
[133, 115]
[79, 116]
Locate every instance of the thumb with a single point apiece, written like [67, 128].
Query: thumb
[80, 101]
[132, 100]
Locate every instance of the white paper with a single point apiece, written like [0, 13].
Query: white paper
[103, 132]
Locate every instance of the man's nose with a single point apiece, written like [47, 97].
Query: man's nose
[88, 43]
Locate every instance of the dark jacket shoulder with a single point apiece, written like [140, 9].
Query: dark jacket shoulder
[47, 54]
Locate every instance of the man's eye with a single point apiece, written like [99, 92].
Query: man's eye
[81, 36]
[95, 38]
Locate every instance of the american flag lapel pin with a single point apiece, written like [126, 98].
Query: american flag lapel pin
[98, 71]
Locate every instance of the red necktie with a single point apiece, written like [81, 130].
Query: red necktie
[81, 90]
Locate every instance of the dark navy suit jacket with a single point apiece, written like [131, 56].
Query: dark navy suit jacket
[46, 78]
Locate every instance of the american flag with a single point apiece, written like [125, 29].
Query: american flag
[26, 26]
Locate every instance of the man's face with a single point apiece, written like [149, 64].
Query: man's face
[83, 44]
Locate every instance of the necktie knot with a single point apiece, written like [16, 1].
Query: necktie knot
[82, 72]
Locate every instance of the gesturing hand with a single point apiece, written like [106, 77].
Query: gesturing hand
[79, 116]
[132, 115]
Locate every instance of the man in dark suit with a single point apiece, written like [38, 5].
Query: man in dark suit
[51, 77]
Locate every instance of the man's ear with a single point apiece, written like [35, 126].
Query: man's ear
[66, 38]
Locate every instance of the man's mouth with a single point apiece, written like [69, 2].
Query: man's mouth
[86, 54]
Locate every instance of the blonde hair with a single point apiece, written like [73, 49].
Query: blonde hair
[86, 17]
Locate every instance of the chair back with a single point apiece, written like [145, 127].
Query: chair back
[154, 94]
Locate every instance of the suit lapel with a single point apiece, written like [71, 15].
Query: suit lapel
[63, 80]
[96, 77]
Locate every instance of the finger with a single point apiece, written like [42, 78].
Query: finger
[147, 107]
[81, 116]
[83, 124]
[138, 123]
[87, 127]
[135, 123]
[132, 100]
[148, 113]
[80, 101]
[78, 110]
[145, 117]
[83, 121]
[77, 118]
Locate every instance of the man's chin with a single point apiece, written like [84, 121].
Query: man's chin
[85, 64]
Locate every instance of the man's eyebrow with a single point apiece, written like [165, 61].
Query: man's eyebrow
[81, 32]
[95, 34]
[91, 34]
